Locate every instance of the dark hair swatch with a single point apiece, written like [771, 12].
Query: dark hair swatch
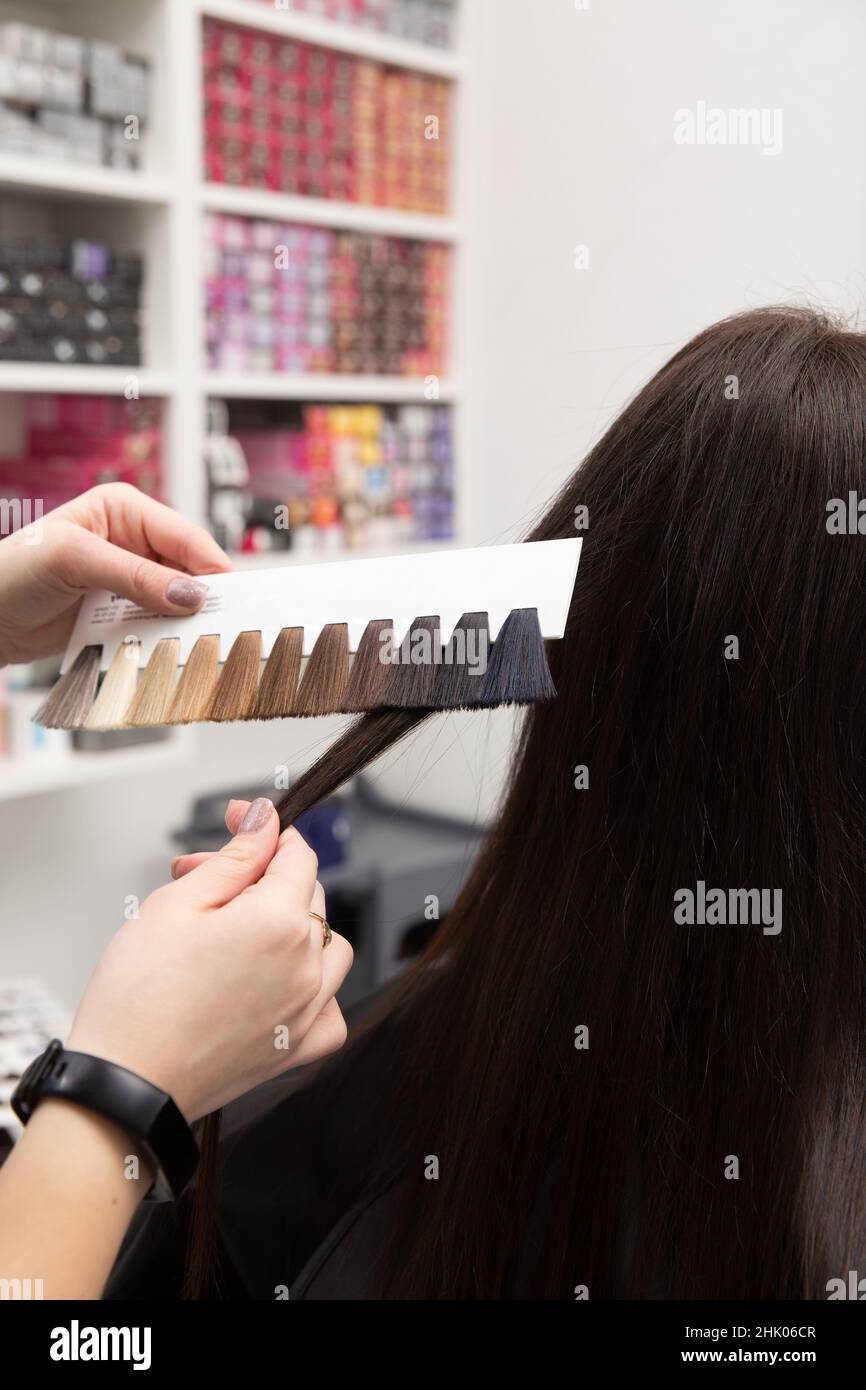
[517, 670]
[324, 681]
[412, 678]
[276, 697]
[457, 685]
[369, 673]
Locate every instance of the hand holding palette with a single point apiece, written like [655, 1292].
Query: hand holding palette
[342, 637]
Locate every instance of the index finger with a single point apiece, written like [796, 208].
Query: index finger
[175, 538]
[292, 870]
[146, 527]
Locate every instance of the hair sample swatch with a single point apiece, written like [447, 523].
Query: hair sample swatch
[369, 670]
[70, 699]
[152, 699]
[238, 685]
[412, 678]
[195, 689]
[326, 677]
[460, 678]
[517, 672]
[276, 695]
[118, 688]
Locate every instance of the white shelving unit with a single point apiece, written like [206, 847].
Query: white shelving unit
[276, 386]
[81, 180]
[32, 775]
[158, 212]
[325, 212]
[77, 380]
[362, 42]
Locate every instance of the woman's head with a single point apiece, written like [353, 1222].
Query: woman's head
[621, 1097]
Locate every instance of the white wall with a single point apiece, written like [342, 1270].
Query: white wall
[571, 128]
[574, 144]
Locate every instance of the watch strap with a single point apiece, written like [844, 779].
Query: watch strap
[146, 1113]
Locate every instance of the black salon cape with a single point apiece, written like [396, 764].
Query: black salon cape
[294, 1218]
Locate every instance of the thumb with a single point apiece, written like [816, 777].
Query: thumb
[89, 562]
[240, 863]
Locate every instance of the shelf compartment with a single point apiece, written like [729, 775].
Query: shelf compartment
[364, 43]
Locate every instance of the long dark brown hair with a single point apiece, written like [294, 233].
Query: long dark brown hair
[618, 1100]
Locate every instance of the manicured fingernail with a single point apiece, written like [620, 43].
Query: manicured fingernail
[186, 593]
[174, 864]
[257, 816]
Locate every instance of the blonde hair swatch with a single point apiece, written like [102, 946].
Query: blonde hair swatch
[118, 688]
[237, 687]
[155, 688]
[195, 689]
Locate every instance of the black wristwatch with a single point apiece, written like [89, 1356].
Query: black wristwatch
[148, 1114]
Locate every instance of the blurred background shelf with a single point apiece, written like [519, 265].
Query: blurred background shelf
[22, 172]
[245, 561]
[283, 386]
[44, 772]
[166, 211]
[327, 212]
[81, 380]
[364, 43]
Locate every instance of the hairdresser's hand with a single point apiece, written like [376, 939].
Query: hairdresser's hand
[201, 993]
[113, 537]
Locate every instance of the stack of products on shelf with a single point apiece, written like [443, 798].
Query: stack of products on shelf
[63, 97]
[67, 444]
[423, 21]
[69, 302]
[306, 299]
[326, 478]
[288, 116]
[22, 692]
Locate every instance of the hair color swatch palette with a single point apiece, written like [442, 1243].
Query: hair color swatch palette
[223, 665]
[420, 672]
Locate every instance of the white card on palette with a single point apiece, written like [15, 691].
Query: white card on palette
[448, 583]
